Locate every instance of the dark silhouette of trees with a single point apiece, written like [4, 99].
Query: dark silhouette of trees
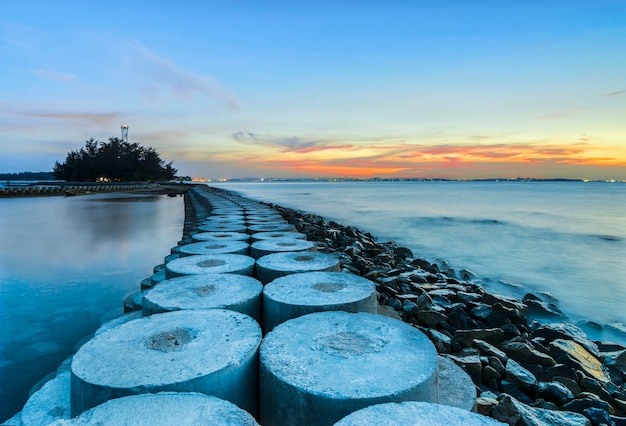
[114, 160]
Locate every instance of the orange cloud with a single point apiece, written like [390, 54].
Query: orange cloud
[300, 157]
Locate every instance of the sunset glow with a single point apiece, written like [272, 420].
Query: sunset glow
[323, 90]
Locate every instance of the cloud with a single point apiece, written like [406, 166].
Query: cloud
[53, 75]
[288, 144]
[95, 118]
[618, 93]
[161, 73]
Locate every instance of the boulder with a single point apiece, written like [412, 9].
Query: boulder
[523, 352]
[513, 412]
[572, 353]
[520, 376]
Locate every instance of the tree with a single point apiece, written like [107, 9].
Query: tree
[115, 160]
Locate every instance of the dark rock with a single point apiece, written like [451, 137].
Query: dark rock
[466, 297]
[505, 301]
[619, 421]
[523, 352]
[542, 309]
[598, 417]
[509, 388]
[520, 376]
[442, 342]
[488, 374]
[424, 302]
[571, 353]
[409, 307]
[458, 318]
[513, 412]
[588, 384]
[470, 363]
[489, 350]
[394, 303]
[430, 318]
[496, 364]
[566, 331]
[561, 370]
[570, 384]
[554, 391]
[489, 335]
[403, 252]
[586, 400]
[510, 331]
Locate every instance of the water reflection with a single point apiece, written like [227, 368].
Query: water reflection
[64, 263]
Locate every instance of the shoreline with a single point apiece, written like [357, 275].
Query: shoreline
[554, 365]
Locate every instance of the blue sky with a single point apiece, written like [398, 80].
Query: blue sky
[232, 89]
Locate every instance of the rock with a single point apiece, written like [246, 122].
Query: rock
[588, 384]
[496, 364]
[566, 331]
[523, 352]
[484, 405]
[466, 297]
[409, 307]
[586, 400]
[554, 391]
[488, 374]
[489, 335]
[491, 316]
[513, 412]
[403, 252]
[458, 318]
[598, 417]
[424, 302]
[430, 318]
[570, 352]
[505, 301]
[442, 342]
[394, 303]
[520, 376]
[538, 307]
[489, 350]
[616, 359]
[470, 363]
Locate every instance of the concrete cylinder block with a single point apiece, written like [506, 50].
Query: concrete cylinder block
[320, 367]
[456, 387]
[235, 292]
[276, 265]
[223, 228]
[278, 245]
[50, 403]
[271, 227]
[279, 234]
[295, 295]
[166, 408]
[212, 351]
[221, 236]
[215, 247]
[210, 264]
[416, 414]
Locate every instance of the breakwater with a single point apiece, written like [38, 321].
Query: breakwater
[39, 189]
[420, 293]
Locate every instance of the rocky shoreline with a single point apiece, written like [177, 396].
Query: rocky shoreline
[526, 372]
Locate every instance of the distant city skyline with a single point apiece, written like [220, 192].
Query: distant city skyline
[275, 89]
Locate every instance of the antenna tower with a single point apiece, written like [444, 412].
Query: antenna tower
[124, 133]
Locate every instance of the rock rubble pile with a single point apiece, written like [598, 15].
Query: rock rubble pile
[527, 372]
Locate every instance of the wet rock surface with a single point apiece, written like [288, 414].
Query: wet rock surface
[526, 372]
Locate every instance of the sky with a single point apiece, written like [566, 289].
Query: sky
[233, 89]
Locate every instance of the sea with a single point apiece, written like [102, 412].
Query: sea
[564, 241]
[66, 263]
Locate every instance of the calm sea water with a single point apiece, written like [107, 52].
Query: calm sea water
[65, 262]
[567, 239]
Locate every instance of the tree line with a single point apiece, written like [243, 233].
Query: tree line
[115, 160]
